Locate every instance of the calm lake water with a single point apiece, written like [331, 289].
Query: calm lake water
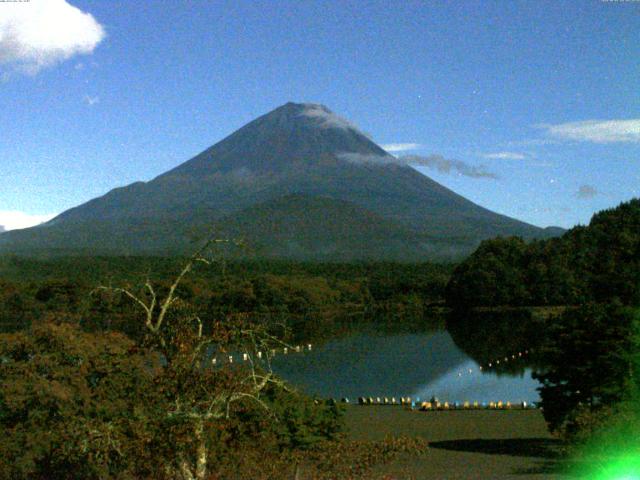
[396, 365]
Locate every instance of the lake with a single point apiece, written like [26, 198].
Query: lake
[365, 363]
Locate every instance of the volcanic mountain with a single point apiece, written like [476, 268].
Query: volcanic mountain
[299, 182]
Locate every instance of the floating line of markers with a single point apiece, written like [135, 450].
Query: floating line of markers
[260, 355]
[434, 404]
[495, 363]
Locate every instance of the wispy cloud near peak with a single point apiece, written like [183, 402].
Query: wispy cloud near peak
[326, 118]
[435, 162]
[449, 166]
[400, 147]
[505, 156]
[596, 131]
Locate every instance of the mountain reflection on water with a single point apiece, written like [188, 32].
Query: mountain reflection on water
[364, 363]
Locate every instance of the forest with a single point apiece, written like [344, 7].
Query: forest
[598, 262]
[587, 342]
[311, 298]
[104, 365]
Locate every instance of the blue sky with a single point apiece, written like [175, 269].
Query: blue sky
[542, 96]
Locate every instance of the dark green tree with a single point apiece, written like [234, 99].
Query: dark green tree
[492, 276]
[588, 363]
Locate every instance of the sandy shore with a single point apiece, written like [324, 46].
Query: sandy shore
[481, 444]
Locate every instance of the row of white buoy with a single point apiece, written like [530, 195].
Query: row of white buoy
[496, 362]
[260, 355]
[383, 401]
[508, 358]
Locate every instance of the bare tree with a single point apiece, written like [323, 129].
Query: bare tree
[202, 393]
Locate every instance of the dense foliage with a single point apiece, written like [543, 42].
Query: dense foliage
[589, 363]
[78, 405]
[81, 399]
[599, 262]
[313, 299]
[81, 404]
[584, 348]
[73, 404]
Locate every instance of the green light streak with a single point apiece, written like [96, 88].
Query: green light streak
[614, 467]
[625, 468]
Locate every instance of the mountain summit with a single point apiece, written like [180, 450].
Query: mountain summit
[291, 136]
[299, 182]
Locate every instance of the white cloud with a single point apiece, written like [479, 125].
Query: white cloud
[436, 162]
[326, 118]
[597, 131]
[400, 147]
[91, 101]
[505, 156]
[13, 220]
[40, 33]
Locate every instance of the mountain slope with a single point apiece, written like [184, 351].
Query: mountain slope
[302, 154]
[320, 228]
